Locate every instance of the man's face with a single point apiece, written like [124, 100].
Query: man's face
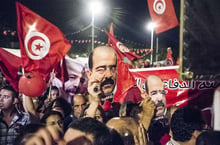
[6, 99]
[105, 70]
[75, 70]
[157, 93]
[79, 104]
[55, 121]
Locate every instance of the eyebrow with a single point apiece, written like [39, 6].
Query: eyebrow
[104, 66]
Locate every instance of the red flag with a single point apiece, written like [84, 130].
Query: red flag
[162, 14]
[9, 65]
[110, 32]
[125, 80]
[42, 44]
[121, 49]
[169, 58]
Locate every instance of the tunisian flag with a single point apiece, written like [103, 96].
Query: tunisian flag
[9, 65]
[162, 14]
[42, 44]
[120, 48]
[125, 79]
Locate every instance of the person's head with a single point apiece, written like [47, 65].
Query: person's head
[54, 119]
[26, 132]
[127, 127]
[77, 77]
[97, 132]
[60, 105]
[51, 94]
[208, 138]
[186, 124]
[79, 103]
[103, 67]
[7, 98]
[81, 140]
[99, 114]
[155, 89]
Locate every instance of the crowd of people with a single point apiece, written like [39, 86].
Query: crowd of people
[52, 119]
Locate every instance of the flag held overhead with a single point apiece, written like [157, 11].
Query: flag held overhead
[42, 44]
[162, 14]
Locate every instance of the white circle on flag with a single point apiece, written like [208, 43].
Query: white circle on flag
[37, 45]
[159, 6]
[121, 47]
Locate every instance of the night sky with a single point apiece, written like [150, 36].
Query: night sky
[129, 17]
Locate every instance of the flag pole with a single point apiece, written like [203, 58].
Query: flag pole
[152, 44]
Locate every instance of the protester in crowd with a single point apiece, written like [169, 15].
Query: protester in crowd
[11, 120]
[97, 132]
[99, 113]
[160, 123]
[82, 140]
[138, 63]
[54, 119]
[79, 102]
[27, 131]
[208, 138]
[186, 125]
[44, 100]
[62, 106]
[128, 128]
[147, 63]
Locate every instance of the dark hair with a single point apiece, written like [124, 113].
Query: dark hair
[102, 112]
[90, 60]
[48, 114]
[10, 88]
[185, 121]
[43, 97]
[61, 102]
[27, 132]
[208, 138]
[82, 140]
[100, 132]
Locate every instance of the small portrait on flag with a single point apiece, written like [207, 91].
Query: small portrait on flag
[77, 79]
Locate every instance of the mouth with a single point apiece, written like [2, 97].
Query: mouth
[104, 98]
[160, 108]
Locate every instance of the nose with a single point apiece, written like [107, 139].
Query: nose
[108, 73]
[158, 97]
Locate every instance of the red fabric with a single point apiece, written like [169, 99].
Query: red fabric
[121, 49]
[111, 31]
[9, 65]
[107, 105]
[162, 14]
[125, 79]
[165, 139]
[42, 44]
[169, 57]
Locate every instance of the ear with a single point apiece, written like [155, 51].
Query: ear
[88, 73]
[15, 101]
[196, 133]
